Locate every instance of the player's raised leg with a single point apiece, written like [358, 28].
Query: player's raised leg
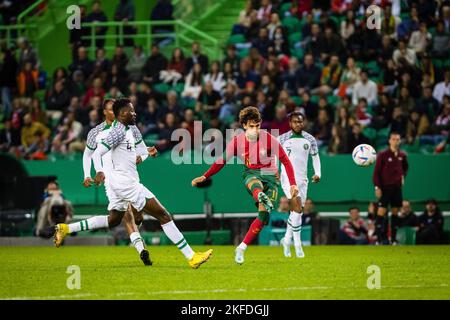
[97, 222]
[155, 209]
[131, 226]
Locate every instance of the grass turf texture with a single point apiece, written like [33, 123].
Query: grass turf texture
[327, 272]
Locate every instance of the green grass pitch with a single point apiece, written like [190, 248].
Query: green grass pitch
[327, 272]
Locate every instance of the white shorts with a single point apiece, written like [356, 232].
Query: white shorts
[302, 189]
[119, 198]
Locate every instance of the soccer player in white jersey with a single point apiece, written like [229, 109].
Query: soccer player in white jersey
[298, 145]
[126, 188]
[95, 136]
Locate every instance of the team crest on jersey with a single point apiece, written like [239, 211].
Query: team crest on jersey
[306, 146]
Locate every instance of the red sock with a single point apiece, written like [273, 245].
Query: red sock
[255, 193]
[254, 230]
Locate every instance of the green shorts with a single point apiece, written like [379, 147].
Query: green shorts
[270, 182]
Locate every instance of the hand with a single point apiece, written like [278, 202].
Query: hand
[88, 182]
[378, 193]
[198, 180]
[294, 191]
[315, 178]
[138, 159]
[152, 151]
[99, 178]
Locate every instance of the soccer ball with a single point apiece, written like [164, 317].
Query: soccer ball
[364, 155]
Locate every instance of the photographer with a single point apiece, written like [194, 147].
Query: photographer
[54, 209]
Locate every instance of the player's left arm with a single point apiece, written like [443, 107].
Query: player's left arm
[284, 159]
[142, 152]
[314, 152]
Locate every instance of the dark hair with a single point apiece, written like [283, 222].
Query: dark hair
[249, 114]
[106, 101]
[394, 133]
[353, 208]
[296, 113]
[433, 201]
[119, 104]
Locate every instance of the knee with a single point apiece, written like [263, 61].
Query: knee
[114, 221]
[164, 217]
[138, 218]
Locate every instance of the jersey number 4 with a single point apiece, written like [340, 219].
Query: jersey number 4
[128, 145]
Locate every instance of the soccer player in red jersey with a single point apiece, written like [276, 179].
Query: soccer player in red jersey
[257, 149]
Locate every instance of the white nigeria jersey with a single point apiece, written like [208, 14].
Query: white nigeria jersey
[298, 148]
[116, 136]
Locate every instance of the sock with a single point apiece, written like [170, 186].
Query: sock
[288, 234]
[263, 216]
[256, 189]
[253, 232]
[296, 225]
[97, 222]
[242, 246]
[137, 241]
[172, 232]
[394, 227]
[379, 226]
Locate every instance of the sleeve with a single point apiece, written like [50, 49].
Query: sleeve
[91, 142]
[405, 165]
[284, 159]
[314, 152]
[97, 156]
[377, 172]
[141, 148]
[220, 162]
[113, 139]
[87, 157]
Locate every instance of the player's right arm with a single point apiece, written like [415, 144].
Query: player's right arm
[91, 145]
[115, 136]
[218, 164]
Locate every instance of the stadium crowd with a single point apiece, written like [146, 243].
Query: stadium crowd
[355, 84]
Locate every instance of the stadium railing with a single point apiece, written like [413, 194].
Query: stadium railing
[144, 31]
[11, 33]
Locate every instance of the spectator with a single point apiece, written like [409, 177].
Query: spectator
[289, 76]
[417, 126]
[280, 44]
[82, 63]
[408, 25]
[350, 76]
[389, 23]
[262, 43]
[309, 213]
[322, 128]
[35, 138]
[37, 112]
[283, 205]
[54, 209]
[58, 100]
[442, 88]
[170, 125]
[356, 138]
[337, 141]
[149, 118]
[427, 104]
[273, 25]
[245, 74]
[308, 76]
[231, 58]
[125, 12]
[431, 224]
[348, 25]
[407, 217]
[154, 65]
[354, 231]
[442, 124]
[27, 80]
[420, 39]
[96, 90]
[193, 83]
[135, 65]
[311, 109]
[404, 52]
[67, 133]
[244, 19]
[331, 76]
[215, 76]
[265, 11]
[441, 42]
[209, 102]
[197, 57]
[365, 88]
[281, 121]
[6, 138]
[163, 10]
[176, 68]
[8, 70]
[171, 106]
[27, 54]
[97, 15]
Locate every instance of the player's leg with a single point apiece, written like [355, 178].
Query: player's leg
[295, 221]
[154, 208]
[286, 241]
[135, 237]
[264, 202]
[97, 222]
[380, 225]
[396, 203]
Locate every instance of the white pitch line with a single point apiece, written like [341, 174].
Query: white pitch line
[175, 292]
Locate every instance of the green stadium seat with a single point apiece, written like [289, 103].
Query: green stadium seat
[437, 63]
[292, 24]
[333, 100]
[236, 38]
[295, 38]
[162, 88]
[179, 87]
[406, 235]
[297, 100]
[284, 8]
[370, 133]
[242, 53]
[315, 99]
[298, 53]
[447, 63]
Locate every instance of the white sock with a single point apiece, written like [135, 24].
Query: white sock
[97, 222]
[137, 241]
[288, 234]
[242, 246]
[172, 232]
[296, 224]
